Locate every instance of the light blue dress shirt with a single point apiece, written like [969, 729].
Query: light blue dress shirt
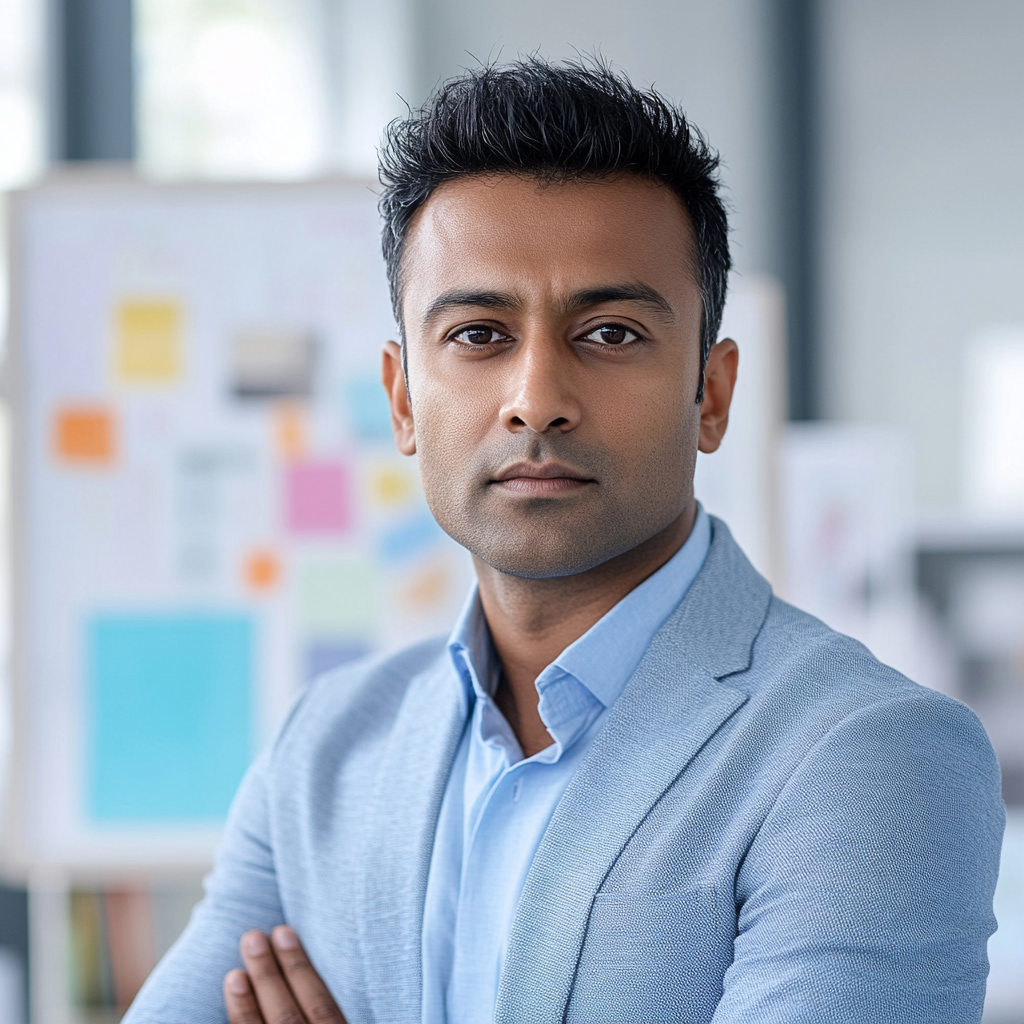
[497, 804]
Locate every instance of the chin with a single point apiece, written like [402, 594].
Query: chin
[541, 557]
[550, 540]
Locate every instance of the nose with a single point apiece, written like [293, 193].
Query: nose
[541, 395]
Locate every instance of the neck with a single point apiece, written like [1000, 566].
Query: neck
[533, 620]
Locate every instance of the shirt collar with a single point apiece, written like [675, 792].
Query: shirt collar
[605, 657]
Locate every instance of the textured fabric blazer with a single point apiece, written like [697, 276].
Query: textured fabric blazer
[771, 828]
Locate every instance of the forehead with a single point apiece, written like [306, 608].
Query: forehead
[530, 234]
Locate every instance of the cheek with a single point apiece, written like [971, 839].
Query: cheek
[651, 415]
[448, 415]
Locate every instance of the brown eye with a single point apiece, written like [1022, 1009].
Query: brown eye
[477, 335]
[612, 334]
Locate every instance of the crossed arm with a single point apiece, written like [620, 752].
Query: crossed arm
[279, 985]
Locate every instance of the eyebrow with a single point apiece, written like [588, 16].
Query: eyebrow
[576, 301]
[459, 299]
[642, 293]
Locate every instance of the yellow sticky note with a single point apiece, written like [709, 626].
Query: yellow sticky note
[147, 341]
[392, 486]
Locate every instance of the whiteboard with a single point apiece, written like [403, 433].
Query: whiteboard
[209, 508]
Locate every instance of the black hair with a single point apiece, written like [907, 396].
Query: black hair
[574, 119]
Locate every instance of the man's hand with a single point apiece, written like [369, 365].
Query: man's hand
[278, 985]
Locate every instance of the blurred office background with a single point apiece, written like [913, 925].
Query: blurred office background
[874, 158]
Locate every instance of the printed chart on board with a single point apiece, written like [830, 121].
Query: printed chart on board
[212, 511]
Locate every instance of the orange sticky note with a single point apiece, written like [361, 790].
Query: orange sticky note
[262, 570]
[290, 432]
[85, 434]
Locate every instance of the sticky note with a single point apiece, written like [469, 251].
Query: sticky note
[84, 435]
[338, 598]
[368, 409]
[324, 655]
[148, 341]
[410, 537]
[262, 570]
[318, 497]
[427, 587]
[272, 364]
[392, 486]
[170, 707]
[290, 432]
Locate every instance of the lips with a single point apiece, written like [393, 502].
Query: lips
[541, 478]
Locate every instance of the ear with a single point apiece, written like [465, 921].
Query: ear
[719, 382]
[393, 378]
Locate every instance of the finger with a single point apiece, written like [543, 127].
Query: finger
[240, 1000]
[272, 992]
[313, 996]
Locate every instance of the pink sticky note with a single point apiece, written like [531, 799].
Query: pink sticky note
[318, 498]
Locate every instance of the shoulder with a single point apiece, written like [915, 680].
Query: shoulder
[811, 679]
[355, 706]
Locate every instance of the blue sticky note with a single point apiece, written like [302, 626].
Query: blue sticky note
[368, 409]
[324, 655]
[171, 714]
[410, 537]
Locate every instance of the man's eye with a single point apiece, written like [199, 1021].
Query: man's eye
[478, 334]
[612, 334]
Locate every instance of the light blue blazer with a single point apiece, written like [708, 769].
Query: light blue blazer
[771, 828]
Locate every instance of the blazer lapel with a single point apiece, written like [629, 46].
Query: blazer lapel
[672, 705]
[402, 819]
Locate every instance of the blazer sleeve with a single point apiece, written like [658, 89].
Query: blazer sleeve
[867, 892]
[241, 893]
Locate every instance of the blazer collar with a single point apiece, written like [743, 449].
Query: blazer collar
[404, 808]
[674, 702]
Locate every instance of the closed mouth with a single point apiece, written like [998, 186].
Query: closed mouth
[541, 478]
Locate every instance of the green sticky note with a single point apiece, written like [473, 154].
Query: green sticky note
[339, 597]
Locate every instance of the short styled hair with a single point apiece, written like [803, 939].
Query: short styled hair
[569, 120]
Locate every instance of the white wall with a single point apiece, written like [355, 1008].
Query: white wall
[713, 58]
[923, 128]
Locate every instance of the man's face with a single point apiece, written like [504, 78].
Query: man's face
[553, 334]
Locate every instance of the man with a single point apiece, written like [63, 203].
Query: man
[632, 785]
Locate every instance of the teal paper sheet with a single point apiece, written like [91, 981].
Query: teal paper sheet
[171, 715]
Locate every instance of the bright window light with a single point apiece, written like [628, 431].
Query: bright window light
[231, 88]
[21, 92]
[994, 421]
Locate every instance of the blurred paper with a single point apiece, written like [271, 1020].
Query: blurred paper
[262, 570]
[393, 486]
[428, 587]
[368, 409]
[318, 498]
[339, 598]
[847, 509]
[85, 435]
[290, 432]
[324, 655]
[148, 341]
[993, 455]
[272, 364]
[410, 537]
[171, 715]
